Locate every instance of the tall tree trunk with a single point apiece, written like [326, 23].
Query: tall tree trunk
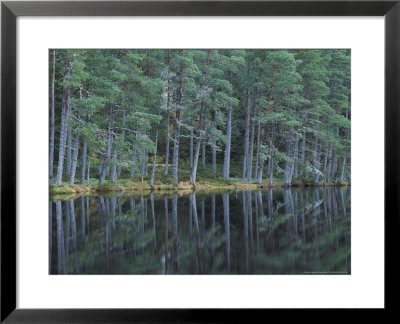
[296, 157]
[251, 148]
[168, 121]
[106, 163]
[214, 148]
[202, 123]
[88, 169]
[191, 147]
[175, 157]
[66, 110]
[52, 113]
[71, 179]
[316, 162]
[114, 167]
[246, 136]
[153, 170]
[343, 169]
[83, 169]
[302, 155]
[123, 138]
[258, 148]
[227, 157]
[69, 150]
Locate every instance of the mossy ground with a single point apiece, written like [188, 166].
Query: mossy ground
[206, 181]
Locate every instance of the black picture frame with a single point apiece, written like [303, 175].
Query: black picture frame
[10, 10]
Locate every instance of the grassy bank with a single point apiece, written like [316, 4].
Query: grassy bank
[205, 182]
[129, 186]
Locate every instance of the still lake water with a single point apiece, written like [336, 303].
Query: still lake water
[279, 231]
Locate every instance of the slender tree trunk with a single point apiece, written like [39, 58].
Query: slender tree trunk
[88, 169]
[246, 136]
[214, 149]
[191, 147]
[251, 148]
[114, 167]
[227, 157]
[106, 163]
[123, 138]
[83, 169]
[258, 148]
[153, 170]
[302, 155]
[202, 127]
[52, 113]
[66, 110]
[316, 162]
[168, 122]
[74, 158]
[296, 157]
[343, 169]
[175, 158]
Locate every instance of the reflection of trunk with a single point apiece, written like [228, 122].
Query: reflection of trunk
[303, 229]
[175, 232]
[166, 236]
[67, 228]
[60, 239]
[246, 230]
[73, 222]
[259, 214]
[225, 201]
[83, 218]
[154, 221]
[196, 228]
[50, 233]
[87, 215]
[250, 218]
[104, 215]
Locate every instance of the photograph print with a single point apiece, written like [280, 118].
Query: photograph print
[199, 161]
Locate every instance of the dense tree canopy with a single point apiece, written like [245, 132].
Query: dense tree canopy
[257, 115]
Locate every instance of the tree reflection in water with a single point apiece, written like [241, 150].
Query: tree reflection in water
[280, 231]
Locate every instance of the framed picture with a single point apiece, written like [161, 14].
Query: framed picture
[183, 156]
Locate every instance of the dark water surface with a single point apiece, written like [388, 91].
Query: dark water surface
[285, 231]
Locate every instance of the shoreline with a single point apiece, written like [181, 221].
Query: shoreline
[72, 190]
